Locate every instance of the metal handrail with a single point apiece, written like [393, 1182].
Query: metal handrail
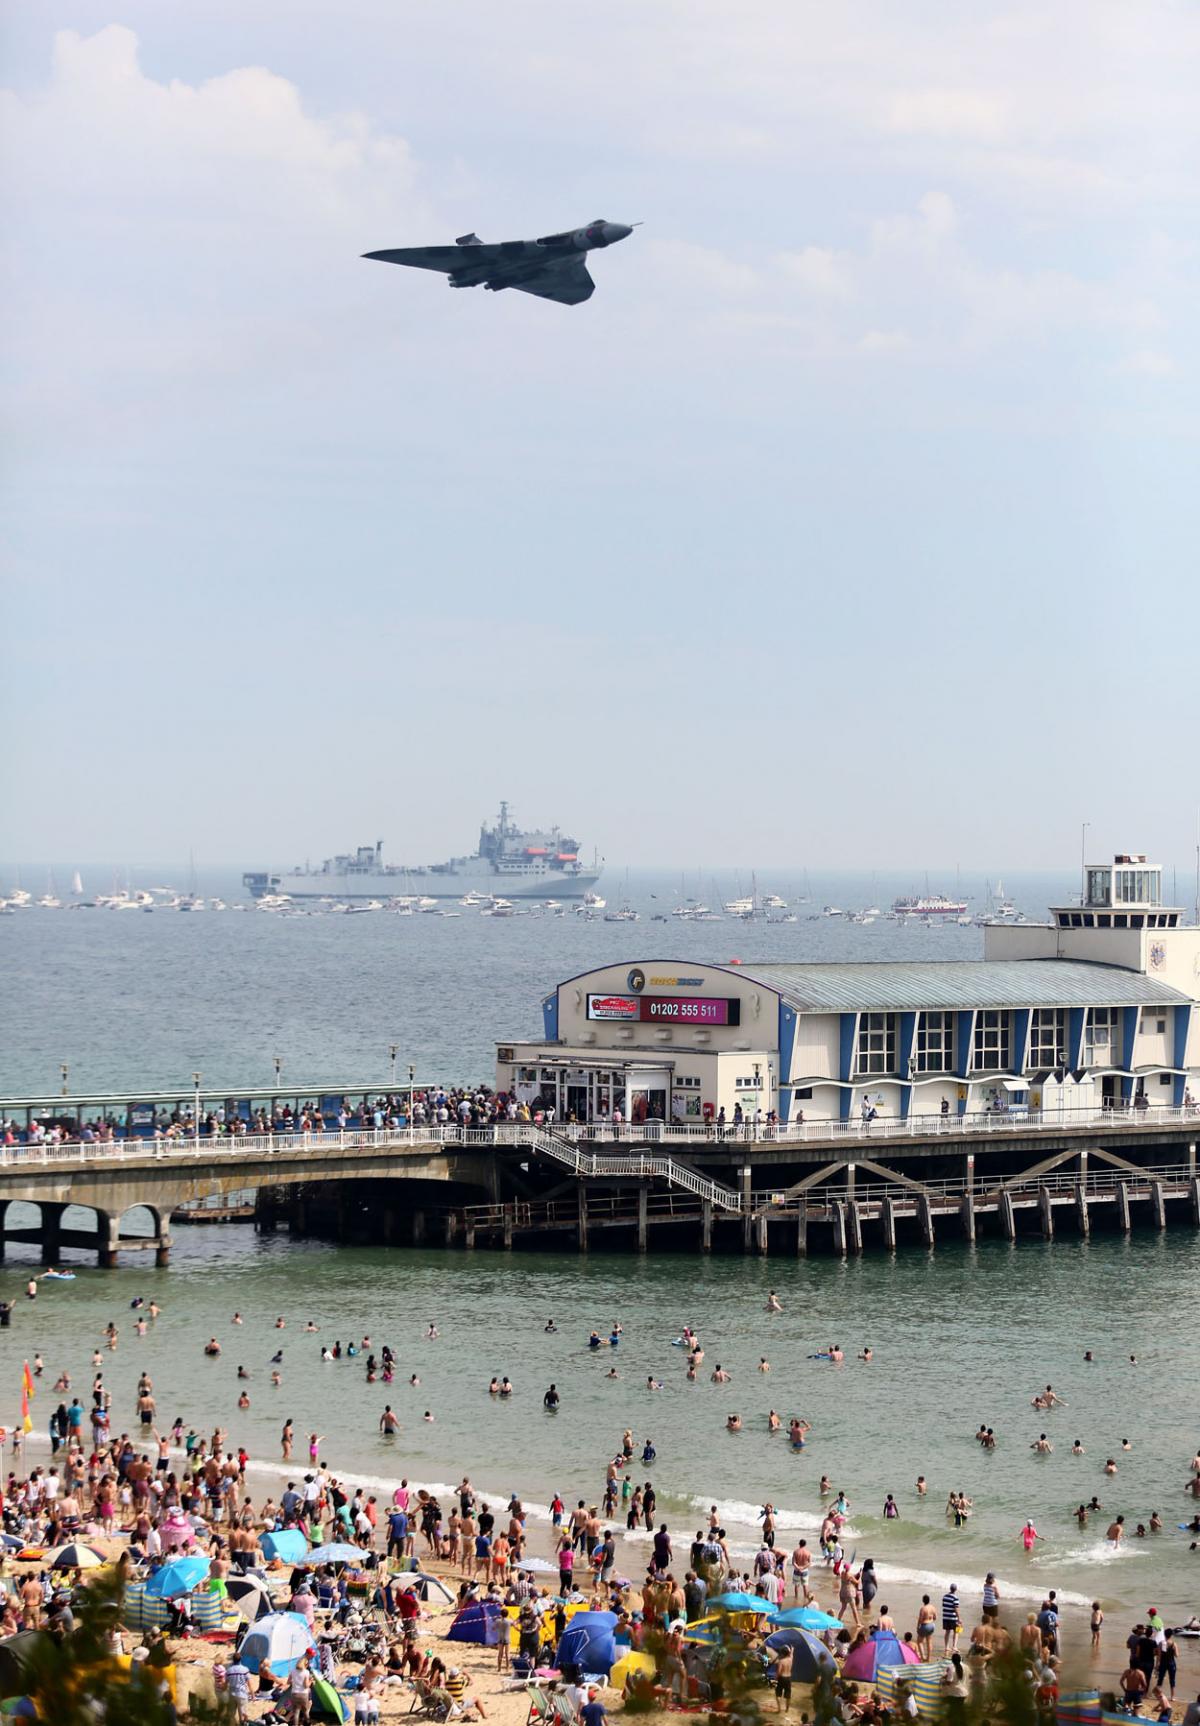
[1174, 1176]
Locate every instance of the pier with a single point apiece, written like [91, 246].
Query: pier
[824, 1186]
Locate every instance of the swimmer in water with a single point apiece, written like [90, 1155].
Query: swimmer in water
[734, 1423]
[867, 1354]
[1028, 1535]
[719, 1375]
[243, 1400]
[276, 1379]
[764, 1364]
[414, 1381]
[1041, 1443]
[279, 1323]
[431, 1335]
[549, 1328]
[311, 1326]
[612, 1373]
[773, 1302]
[1077, 1448]
[654, 1384]
[236, 1319]
[922, 1489]
[1110, 1466]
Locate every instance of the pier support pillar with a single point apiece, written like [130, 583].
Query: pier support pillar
[1046, 1213]
[706, 1216]
[1195, 1191]
[747, 1218]
[971, 1183]
[162, 1252]
[583, 1218]
[1081, 1209]
[469, 1237]
[108, 1234]
[887, 1216]
[1192, 1160]
[52, 1231]
[1008, 1216]
[839, 1227]
[802, 1229]
[762, 1233]
[418, 1228]
[1123, 1206]
[925, 1214]
[853, 1227]
[507, 1227]
[967, 1212]
[643, 1228]
[451, 1227]
[1158, 1205]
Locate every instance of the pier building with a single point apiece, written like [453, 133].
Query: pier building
[1098, 1009]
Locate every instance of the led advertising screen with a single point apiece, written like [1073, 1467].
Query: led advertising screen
[664, 1009]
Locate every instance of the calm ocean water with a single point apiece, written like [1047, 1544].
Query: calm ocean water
[962, 1335]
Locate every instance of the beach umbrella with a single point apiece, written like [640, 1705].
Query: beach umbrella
[19, 1708]
[336, 1552]
[882, 1648]
[806, 1618]
[280, 1637]
[180, 1576]
[75, 1556]
[808, 1655]
[249, 1596]
[739, 1601]
[286, 1544]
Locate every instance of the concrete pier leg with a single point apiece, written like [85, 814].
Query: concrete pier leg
[925, 1213]
[1081, 1211]
[469, 1237]
[1159, 1205]
[853, 1227]
[52, 1231]
[747, 1218]
[643, 1227]
[1046, 1213]
[583, 1218]
[107, 1236]
[1123, 1206]
[762, 1234]
[706, 1216]
[802, 1229]
[1195, 1192]
[887, 1216]
[839, 1227]
[451, 1228]
[968, 1216]
[508, 1222]
[162, 1252]
[418, 1228]
[1008, 1216]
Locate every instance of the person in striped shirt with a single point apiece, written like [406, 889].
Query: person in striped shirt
[951, 1617]
[455, 1687]
[991, 1598]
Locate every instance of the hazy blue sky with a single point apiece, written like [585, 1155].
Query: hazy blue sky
[852, 522]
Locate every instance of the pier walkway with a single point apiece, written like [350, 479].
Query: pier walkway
[759, 1186]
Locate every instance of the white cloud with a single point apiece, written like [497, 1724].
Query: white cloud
[1148, 363]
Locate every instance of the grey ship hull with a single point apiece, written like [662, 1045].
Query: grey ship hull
[477, 877]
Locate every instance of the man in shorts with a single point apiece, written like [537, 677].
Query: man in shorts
[783, 1680]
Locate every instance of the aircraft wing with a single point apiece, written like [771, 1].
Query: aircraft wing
[445, 259]
[566, 281]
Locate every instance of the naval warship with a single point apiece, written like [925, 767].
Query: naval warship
[507, 863]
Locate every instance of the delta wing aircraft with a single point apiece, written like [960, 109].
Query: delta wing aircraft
[553, 268]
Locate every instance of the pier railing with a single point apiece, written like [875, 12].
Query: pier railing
[572, 1139]
[588, 1163]
[1094, 1183]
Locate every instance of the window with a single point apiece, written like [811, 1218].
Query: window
[685, 1081]
[935, 1043]
[1100, 1037]
[1164, 1078]
[877, 1043]
[1048, 1038]
[1153, 1022]
[991, 1040]
[1098, 887]
[805, 1096]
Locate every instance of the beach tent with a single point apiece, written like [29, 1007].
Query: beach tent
[924, 1680]
[882, 1648]
[16, 1656]
[434, 1582]
[806, 1618]
[809, 1656]
[179, 1576]
[280, 1637]
[478, 1621]
[326, 1703]
[286, 1544]
[75, 1556]
[587, 1642]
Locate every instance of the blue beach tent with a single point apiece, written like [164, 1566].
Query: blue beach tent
[808, 1655]
[587, 1642]
[286, 1544]
[478, 1621]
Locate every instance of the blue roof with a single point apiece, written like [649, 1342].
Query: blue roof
[904, 986]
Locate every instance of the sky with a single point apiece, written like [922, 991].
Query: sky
[852, 522]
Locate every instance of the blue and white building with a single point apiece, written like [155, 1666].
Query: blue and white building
[1098, 1008]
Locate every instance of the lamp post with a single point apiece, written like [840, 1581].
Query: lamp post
[393, 1051]
[278, 1070]
[65, 1071]
[412, 1073]
[196, 1110]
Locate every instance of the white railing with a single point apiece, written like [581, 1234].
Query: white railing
[570, 1137]
[588, 1163]
[1095, 1183]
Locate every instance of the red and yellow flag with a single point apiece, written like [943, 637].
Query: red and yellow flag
[26, 1423]
[28, 1385]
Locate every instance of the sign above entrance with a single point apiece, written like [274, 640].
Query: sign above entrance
[664, 1010]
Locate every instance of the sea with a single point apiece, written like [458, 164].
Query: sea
[961, 1336]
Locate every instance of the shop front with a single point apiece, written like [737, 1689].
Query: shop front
[589, 1092]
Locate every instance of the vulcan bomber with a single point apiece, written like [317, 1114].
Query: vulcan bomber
[553, 268]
